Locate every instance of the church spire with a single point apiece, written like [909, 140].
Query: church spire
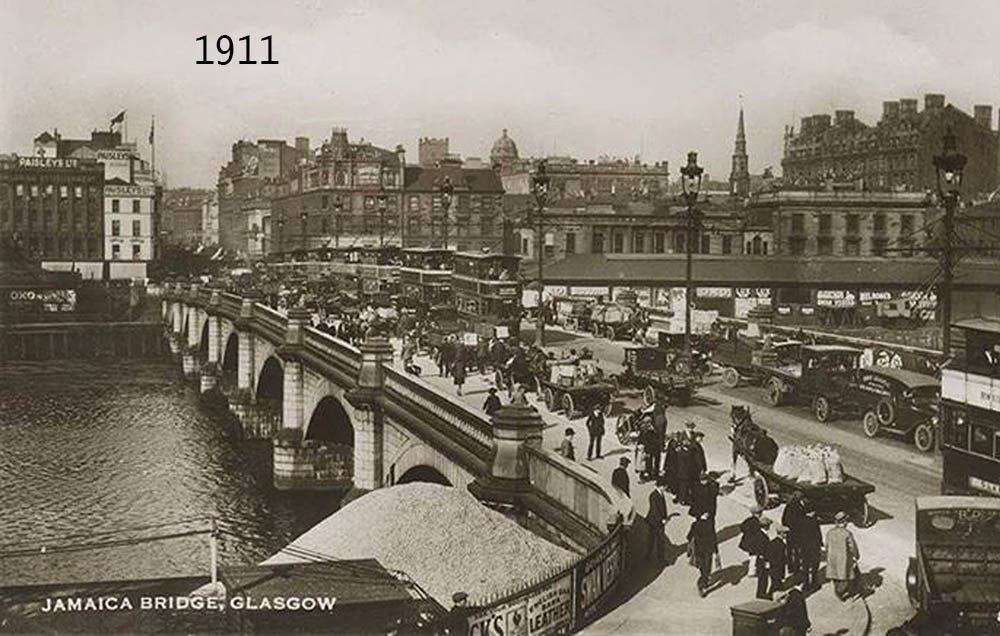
[739, 178]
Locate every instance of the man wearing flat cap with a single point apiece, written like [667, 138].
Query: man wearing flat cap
[841, 557]
[776, 560]
[619, 476]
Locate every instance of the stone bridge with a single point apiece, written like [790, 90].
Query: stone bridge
[341, 417]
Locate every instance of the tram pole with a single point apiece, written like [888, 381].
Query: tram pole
[948, 167]
[540, 188]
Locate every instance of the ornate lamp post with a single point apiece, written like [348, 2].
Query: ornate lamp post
[447, 190]
[691, 186]
[948, 166]
[280, 224]
[305, 235]
[540, 189]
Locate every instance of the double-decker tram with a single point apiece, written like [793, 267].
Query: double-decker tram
[970, 411]
[425, 277]
[377, 269]
[488, 293]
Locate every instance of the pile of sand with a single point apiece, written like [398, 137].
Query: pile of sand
[442, 537]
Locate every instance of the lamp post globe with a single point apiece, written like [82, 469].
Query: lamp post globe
[691, 175]
[948, 166]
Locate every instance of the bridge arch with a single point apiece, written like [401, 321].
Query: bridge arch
[203, 342]
[330, 423]
[271, 383]
[420, 462]
[231, 360]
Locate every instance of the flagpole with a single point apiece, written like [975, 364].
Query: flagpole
[152, 142]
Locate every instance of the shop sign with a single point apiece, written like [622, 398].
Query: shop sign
[509, 619]
[550, 608]
[49, 300]
[509, 290]
[835, 298]
[715, 292]
[872, 357]
[869, 297]
[557, 290]
[502, 331]
[742, 306]
[807, 311]
[596, 575]
[470, 339]
[753, 292]
[784, 310]
[129, 191]
[47, 162]
[114, 155]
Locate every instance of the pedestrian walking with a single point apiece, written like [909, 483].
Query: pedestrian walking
[659, 437]
[687, 468]
[776, 561]
[704, 496]
[595, 430]
[657, 520]
[762, 544]
[670, 462]
[791, 518]
[795, 614]
[841, 557]
[566, 446]
[619, 477]
[445, 366]
[703, 545]
[811, 549]
[458, 366]
[492, 403]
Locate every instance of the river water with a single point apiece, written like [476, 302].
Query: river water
[99, 452]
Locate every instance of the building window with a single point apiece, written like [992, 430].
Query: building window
[797, 246]
[369, 203]
[136, 228]
[824, 245]
[878, 223]
[116, 228]
[727, 245]
[680, 240]
[414, 203]
[63, 192]
[597, 243]
[798, 223]
[878, 246]
[906, 224]
[116, 251]
[824, 224]
[852, 224]
[486, 226]
[706, 244]
[49, 190]
[136, 252]
[617, 242]
[135, 206]
[570, 243]
[852, 247]
[78, 192]
[34, 190]
[524, 245]
[659, 243]
[413, 226]
[115, 206]
[638, 242]
[19, 189]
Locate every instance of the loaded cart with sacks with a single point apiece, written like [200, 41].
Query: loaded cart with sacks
[815, 471]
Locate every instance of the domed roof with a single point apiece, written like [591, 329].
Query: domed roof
[504, 149]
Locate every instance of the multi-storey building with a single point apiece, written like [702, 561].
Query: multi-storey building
[897, 152]
[431, 151]
[131, 198]
[182, 215]
[842, 223]
[247, 184]
[53, 208]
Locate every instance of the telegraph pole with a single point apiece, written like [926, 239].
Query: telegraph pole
[948, 166]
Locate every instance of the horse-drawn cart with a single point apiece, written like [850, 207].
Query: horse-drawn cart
[848, 494]
[576, 387]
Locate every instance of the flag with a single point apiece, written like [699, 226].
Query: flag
[152, 125]
[120, 117]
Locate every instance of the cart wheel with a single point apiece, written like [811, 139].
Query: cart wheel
[886, 412]
[622, 429]
[567, 405]
[731, 378]
[913, 593]
[609, 333]
[870, 423]
[772, 391]
[682, 366]
[863, 515]
[822, 409]
[648, 395]
[760, 492]
[923, 437]
[550, 400]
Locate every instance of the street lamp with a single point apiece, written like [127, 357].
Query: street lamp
[338, 208]
[948, 166]
[382, 203]
[305, 236]
[280, 224]
[691, 186]
[446, 190]
[540, 189]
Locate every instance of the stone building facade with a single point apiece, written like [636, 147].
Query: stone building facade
[895, 154]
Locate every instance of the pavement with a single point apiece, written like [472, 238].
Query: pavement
[649, 603]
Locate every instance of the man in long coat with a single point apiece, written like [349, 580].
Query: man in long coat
[657, 519]
[810, 549]
[841, 557]
[791, 518]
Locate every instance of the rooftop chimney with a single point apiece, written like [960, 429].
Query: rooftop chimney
[908, 106]
[983, 114]
[843, 117]
[890, 111]
[302, 145]
[933, 101]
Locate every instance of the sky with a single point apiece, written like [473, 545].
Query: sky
[580, 78]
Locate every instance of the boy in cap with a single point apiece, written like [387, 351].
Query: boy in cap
[776, 560]
[566, 446]
[841, 557]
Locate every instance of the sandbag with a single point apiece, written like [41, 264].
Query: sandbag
[796, 464]
[781, 463]
[815, 470]
[834, 468]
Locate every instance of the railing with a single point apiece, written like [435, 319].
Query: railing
[271, 320]
[325, 344]
[456, 414]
